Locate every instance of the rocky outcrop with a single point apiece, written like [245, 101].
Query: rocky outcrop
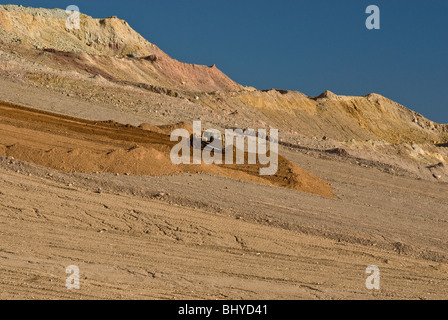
[109, 46]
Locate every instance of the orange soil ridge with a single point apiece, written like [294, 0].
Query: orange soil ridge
[76, 145]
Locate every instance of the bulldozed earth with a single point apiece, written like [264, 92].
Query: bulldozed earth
[86, 179]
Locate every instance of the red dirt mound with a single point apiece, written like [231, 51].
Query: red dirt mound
[76, 145]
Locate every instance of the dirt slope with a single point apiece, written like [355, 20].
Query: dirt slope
[77, 145]
[129, 247]
[280, 245]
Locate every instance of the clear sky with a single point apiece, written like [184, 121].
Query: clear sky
[303, 45]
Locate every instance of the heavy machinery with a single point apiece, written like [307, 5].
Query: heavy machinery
[207, 138]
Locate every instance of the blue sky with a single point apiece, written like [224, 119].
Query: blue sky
[303, 45]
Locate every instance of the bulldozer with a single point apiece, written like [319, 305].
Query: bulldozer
[207, 138]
